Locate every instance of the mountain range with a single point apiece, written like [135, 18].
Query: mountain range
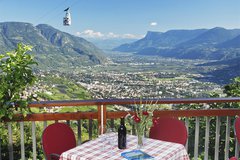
[218, 44]
[214, 44]
[52, 48]
[159, 40]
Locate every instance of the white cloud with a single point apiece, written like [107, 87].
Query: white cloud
[110, 35]
[153, 23]
[90, 34]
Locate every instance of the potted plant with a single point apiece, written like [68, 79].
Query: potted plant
[16, 75]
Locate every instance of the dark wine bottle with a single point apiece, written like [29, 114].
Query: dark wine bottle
[122, 133]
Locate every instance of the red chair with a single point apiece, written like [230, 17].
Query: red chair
[169, 129]
[233, 158]
[237, 133]
[237, 129]
[56, 139]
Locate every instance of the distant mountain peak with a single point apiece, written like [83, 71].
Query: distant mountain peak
[211, 43]
[18, 23]
[211, 38]
[218, 28]
[53, 47]
[160, 40]
[44, 25]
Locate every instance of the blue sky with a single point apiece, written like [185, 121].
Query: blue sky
[124, 18]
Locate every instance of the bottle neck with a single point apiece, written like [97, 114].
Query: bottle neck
[122, 121]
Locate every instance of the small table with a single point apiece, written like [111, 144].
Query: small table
[93, 150]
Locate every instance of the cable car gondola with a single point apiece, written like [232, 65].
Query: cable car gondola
[67, 18]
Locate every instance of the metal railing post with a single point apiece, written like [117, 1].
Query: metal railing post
[22, 141]
[196, 138]
[90, 128]
[187, 126]
[217, 138]
[10, 141]
[228, 126]
[34, 145]
[206, 143]
[79, 131]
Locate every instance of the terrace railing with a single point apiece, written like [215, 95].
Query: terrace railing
[221, 119]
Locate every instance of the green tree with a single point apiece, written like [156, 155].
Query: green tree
[16, 76]
[233, 89]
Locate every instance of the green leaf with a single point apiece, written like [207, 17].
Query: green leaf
[16, 75]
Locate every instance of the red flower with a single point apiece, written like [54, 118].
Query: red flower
[136, 119]
[145, 113]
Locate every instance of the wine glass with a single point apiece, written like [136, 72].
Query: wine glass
[110, 135]
[111, 138]
[102, 138]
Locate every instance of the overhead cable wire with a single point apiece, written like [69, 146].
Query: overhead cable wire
[51, 11]
[62, 10]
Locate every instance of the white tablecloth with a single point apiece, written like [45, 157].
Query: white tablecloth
[98, 150]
